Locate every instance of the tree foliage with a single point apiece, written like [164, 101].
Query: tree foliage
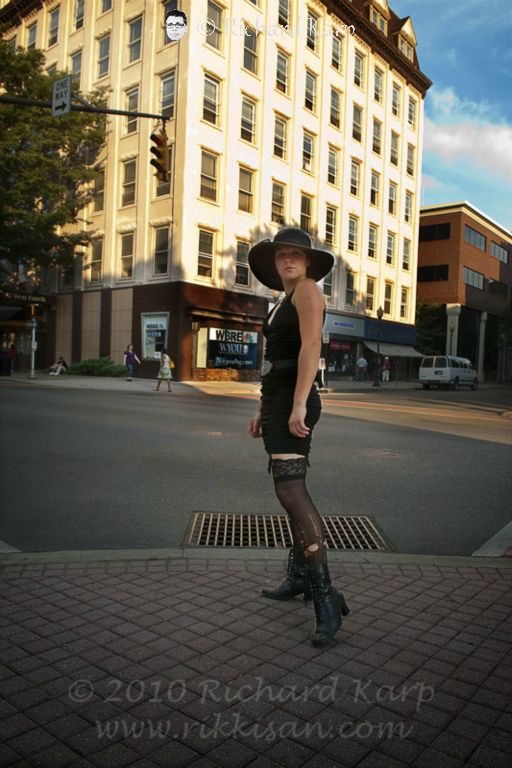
[431, 328]
[47, 166]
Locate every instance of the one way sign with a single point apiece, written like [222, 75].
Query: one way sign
[61, 102]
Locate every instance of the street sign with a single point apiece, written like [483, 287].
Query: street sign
[325, 337]
[61, 101]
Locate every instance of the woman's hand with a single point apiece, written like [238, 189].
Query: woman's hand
[255, 425]
[296, 423]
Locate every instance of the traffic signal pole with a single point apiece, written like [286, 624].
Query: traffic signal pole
[82, 107]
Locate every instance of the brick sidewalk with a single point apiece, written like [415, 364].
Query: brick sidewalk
[206, 673]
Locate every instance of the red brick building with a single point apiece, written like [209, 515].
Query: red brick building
[465, 263]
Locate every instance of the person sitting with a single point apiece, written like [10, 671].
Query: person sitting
[59, 366]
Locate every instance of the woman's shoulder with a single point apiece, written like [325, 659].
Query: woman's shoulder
[308, 289]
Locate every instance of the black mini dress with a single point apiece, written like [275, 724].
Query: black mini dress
[278, 385]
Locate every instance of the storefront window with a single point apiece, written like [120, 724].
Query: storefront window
[154, 334]
[232, 349]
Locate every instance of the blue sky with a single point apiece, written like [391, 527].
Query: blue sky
[464, 47]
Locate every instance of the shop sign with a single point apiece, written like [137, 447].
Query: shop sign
[232, 349]
[154, 334]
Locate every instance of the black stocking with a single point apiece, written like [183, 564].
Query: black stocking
[307, 528]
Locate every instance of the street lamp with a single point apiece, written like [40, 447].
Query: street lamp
[376, 379]
[452, 328]
[32, 325]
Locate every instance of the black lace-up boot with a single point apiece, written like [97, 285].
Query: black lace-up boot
[330, 605]
[296, 581]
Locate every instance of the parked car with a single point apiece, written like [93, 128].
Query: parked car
[447, 371]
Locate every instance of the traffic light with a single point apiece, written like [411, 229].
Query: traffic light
[160, 152]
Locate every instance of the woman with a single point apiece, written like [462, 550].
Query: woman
[165, 373]
[289, 409]
[130, 358]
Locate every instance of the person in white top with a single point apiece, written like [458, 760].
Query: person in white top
[361, 367]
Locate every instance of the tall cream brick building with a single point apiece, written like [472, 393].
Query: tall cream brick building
[280, 112]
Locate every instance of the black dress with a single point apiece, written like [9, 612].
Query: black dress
[278, 386]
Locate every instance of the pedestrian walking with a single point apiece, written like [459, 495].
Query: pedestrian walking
[386, 367]
[361, 367]
[165, 372]
[289, 409]
[130, 358]
[11, 356]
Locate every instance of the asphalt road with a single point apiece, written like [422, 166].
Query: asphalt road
[85, 469]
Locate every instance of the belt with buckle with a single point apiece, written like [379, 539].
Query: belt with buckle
[277, 365]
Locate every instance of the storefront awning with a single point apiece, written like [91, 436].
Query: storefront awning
[393, 350]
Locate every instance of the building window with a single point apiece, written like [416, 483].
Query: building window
[53, 32]
[359, 69]
[208, 176]
[370, 293]
[132, 105]
[408, 207]
[135, 44]
[435, 232]
[349, 290]
[333, 165]
[395, 103]
[435, 273]
[308, 148]
[211, 99]
[354, 177]
[497, 288]
[335, 108]
[127, 255]
[378, 20]
[311, 30]
[306, 205]
[377, 136]
[248, 119]
[404, 303]
[393, 157]
[130, 172]
[390, 249]
[250, 50]
[310, 93]
[473, 237]
[96, 260]
[205, 253]
[410, 160]
[51, 71]
[167, 9]
[392, 199]
[164, 187]
[357, 121]
[280, 131]
[406, 255]
[330, 225]
[352, 233]
[374, 189]
[214, 30]
[99, 191]
[499, 252]
[79, 14]
[377, 85]
[161, 255]
[168, 91]
[31, 36]
[242, 263]
[475, 279]
[336, 52]
[106, 5]
[388, 298]
[277, 202]
[245, 190]
[283, 13]
[406, 48]
[412, 112]
[104, 55]
[327, 285]
[282, 69]
[76, 67]
[372, 241]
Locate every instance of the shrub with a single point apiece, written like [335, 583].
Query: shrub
[102, 366]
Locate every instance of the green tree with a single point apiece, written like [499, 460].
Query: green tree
[431, 328]
[47, 166]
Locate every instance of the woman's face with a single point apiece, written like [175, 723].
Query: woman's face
[291, 262]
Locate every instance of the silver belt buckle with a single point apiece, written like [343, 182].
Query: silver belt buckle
[266, 367]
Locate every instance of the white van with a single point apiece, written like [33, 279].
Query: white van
[447, 371]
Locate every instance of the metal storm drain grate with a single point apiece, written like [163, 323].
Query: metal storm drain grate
[209, 529]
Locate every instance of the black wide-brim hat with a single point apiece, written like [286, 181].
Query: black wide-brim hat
[262, 264]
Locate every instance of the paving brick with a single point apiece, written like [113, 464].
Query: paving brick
[431, 758]
[58, 756]
[378, 760]
[486, 757]
[115, 756]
